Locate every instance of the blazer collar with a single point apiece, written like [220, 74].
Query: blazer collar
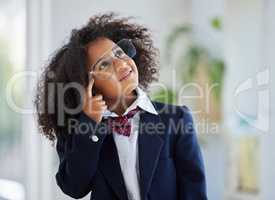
[143, 101]
[149, 147]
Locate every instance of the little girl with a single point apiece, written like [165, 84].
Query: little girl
[112, 139]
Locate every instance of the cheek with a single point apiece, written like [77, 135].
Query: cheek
[132, 63]
[108, 87]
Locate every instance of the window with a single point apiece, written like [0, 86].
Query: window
[12, 59]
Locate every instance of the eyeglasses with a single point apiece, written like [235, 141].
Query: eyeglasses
[124, 49]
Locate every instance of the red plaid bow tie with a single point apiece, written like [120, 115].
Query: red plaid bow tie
[121, 124]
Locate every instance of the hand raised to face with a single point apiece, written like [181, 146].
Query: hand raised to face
[93, 106]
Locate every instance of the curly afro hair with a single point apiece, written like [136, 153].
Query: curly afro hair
[69, 64]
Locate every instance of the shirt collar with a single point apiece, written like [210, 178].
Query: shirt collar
[142, 101]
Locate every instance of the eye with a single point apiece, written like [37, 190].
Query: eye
[104, 65]
[120, 53]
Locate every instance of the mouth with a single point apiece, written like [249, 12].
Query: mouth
[126, 75]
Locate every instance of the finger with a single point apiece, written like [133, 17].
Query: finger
[90, 87]
[104, 108]
[101, 103]
[98, 97]
[100, 109]
[98, 103]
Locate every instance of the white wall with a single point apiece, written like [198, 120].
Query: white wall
[201, 14]
[268, 139]
[243, 52]
[38, 154]
[249, 49]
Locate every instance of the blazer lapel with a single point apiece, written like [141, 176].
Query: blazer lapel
[149, 145]
[110, 167]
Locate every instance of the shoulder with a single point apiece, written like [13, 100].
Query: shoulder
[179, 124]
[177, 117]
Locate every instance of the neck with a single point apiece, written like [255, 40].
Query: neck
[120, 105]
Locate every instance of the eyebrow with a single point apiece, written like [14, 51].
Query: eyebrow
[97, 62]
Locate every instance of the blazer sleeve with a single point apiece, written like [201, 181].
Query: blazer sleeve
[188, 160]
[79, 155]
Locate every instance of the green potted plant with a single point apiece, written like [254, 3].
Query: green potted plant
[196, 64]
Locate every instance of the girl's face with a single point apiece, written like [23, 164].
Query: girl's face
[115, 74]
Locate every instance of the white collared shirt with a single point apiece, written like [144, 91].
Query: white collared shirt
[127, 147]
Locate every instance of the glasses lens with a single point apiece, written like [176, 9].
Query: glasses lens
[128, 47]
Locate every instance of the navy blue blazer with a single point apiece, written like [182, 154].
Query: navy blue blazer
[170, 161]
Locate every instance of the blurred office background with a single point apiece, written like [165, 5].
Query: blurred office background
[228, 42]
